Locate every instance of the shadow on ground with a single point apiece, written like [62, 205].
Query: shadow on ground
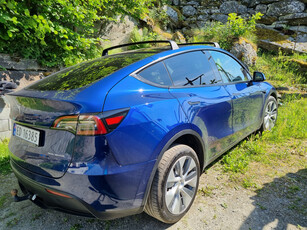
[280, 204]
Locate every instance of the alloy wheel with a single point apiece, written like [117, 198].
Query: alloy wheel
[270, 115]
[181, 185]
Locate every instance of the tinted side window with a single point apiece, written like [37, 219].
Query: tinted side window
[229, 68]
[157, 74]
[190, 69]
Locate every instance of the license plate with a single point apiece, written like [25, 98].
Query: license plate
[30, 135]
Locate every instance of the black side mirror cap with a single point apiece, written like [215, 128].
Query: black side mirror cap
[258, 76]
[7, 87]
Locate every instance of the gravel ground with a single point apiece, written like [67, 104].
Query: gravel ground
[220, 204]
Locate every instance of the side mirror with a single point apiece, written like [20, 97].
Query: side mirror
[258, 76]
[7, 87]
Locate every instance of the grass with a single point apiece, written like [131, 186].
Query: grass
[4, 157]
[2, 200]
[259, 159]
[207, 191]
[12, 222]
[289, 133]
[281, 67]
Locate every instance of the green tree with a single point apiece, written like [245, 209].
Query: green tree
[59, 32]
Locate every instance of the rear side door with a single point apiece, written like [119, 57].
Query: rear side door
[203, 98]
[247, 98]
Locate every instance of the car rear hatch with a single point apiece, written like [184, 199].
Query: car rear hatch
[35, 146]
[37, 143]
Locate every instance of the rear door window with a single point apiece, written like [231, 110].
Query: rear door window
[191, 69]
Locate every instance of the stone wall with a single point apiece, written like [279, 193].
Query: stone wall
[23, 72]
[282, 26]
[285, 12]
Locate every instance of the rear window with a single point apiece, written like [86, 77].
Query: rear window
[88, 72]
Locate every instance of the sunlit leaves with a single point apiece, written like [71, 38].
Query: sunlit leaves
[58, 32]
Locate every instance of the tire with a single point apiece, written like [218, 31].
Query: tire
[269, 114]
[175, 184]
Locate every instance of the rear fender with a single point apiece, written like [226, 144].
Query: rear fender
[166, 147]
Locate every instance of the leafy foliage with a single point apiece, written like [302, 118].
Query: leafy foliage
[5, 167]
[142, 35]
[226, 34]
[58, 32]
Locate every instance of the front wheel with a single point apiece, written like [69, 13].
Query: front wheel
[175, 184]
[270, 114]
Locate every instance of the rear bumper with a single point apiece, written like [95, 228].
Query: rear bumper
[87, 196]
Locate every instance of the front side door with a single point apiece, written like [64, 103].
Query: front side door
[247, 97]
[203, 98]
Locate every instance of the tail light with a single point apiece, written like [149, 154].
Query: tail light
[91, 124]
[66, 122]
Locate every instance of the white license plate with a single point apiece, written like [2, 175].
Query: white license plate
[27, 134]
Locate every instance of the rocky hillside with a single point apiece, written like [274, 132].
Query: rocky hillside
[283, 24]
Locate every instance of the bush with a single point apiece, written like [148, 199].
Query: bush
[226, 34]
[142, 35]
[58, 32]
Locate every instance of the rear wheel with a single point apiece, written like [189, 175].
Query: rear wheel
[270, 114]
[175, 184]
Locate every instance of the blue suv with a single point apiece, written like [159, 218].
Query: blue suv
[133, 131]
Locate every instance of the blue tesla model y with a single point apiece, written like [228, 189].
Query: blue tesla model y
[133, 131]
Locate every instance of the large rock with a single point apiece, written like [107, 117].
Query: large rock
[189, 11]
[285, 7]
[201, 20]
[193, 3]
[274, 40]
[173, 15]
[261, 8]
[118, 32]
[245, 51]
[233, 7]
[295, 19]
[267, 20]
[300, 29]
[301, 38]
[176, 2]
[220, 17]
[285, 46]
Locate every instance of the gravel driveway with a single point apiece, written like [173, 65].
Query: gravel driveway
[220, 204]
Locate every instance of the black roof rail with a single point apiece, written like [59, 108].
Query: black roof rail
[201, 43]
[173, 45]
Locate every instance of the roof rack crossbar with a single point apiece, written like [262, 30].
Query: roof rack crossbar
[173, 45]
[201, 43]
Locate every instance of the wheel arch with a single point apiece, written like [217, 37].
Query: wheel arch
[273, 94]
[188, 137]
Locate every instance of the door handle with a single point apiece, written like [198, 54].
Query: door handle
[194, 102]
